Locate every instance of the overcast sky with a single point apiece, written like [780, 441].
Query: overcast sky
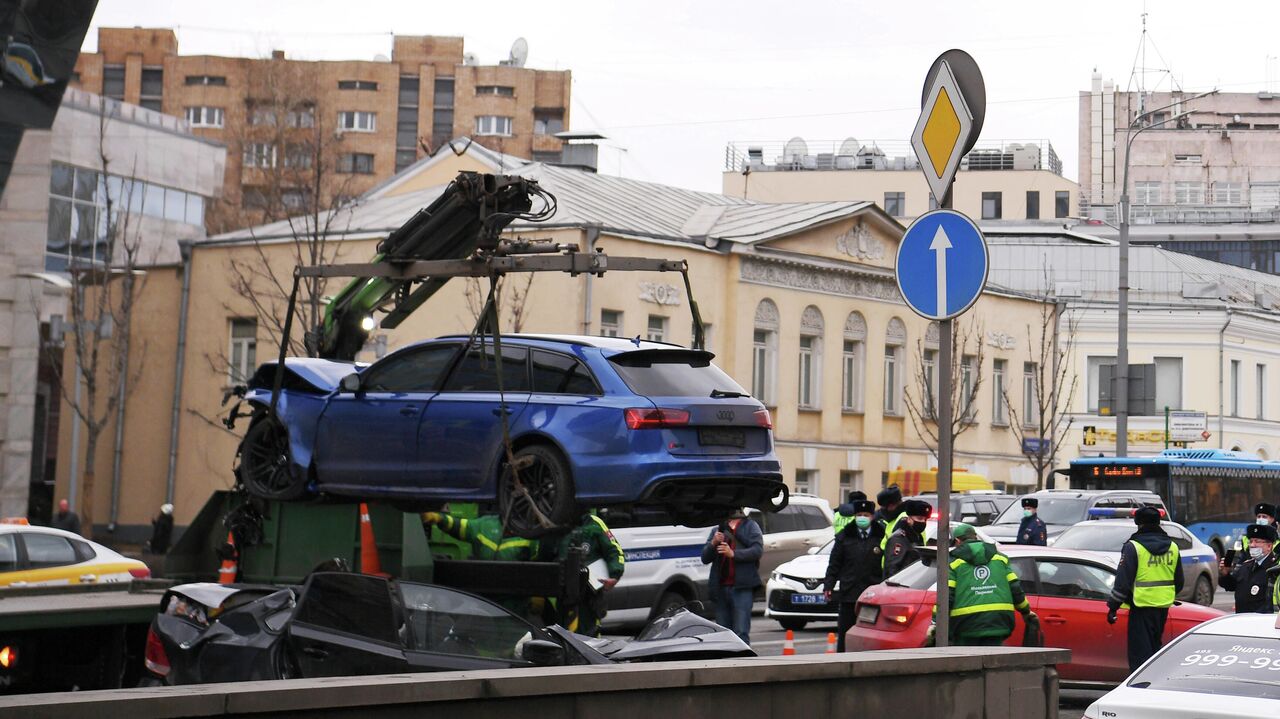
[670, 83]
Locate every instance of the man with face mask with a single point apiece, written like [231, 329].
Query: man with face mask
[1253, 579]
[1264, 514]
[902, 547]
[1032, 530]
[854, 564]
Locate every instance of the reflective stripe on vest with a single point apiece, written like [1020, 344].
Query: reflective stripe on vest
[1153, 584]
[962, 611]
[888, 530]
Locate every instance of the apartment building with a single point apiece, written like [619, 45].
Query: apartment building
[304, 135]
[998, 179]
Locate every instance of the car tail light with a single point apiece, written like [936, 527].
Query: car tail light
[897, 616]
[155, 659]
[8, 657]
[140, 573]
[639, 418]
[763, 418]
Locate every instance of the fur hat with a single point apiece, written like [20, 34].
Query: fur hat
[1264, 508]
[1261, 531]
[917, 508]
[1030, 502]
[863, 505]
[1146, 515]
[889, 495]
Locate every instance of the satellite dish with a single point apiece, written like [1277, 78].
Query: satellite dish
[795, 149]
[850, 146]
[519, 52]
[381, 58]
[470, 58]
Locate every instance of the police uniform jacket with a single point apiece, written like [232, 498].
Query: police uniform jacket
[1252, 580]
[902, 549]
[854, 563]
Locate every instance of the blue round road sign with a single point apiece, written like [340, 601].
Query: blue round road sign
[942, 264]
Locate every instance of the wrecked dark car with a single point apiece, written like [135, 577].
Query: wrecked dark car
[343, 624]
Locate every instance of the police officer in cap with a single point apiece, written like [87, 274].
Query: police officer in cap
[854, 564]
[1264, 514]
[1253, 579]
[1032, 530]
[902, 548]
[1147, 580]
[886, 519]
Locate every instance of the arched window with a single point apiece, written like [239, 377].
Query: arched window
[895, 339]
[853, 362]
[811, 326]
[764, 352]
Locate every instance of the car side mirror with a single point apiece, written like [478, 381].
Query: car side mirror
[350, 383]
[542, 653]
[814, 550]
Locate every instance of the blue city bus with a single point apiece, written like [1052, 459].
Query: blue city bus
[1211, 492]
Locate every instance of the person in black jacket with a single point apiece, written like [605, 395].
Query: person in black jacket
[1142, 583]
[1253, 579]
[1032, 530]
[854, 565]
[902, 548]
[890, 501]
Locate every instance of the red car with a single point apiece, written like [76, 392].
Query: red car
[1068, 589]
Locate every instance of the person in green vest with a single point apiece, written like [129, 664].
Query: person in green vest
[983, 591]
[1147, 581]
[597, 542]
[844, 515]
[887, 517]
[488, 541]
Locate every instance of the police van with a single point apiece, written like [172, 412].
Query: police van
[664, 569]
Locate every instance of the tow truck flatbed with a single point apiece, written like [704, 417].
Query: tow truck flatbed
[79, 605]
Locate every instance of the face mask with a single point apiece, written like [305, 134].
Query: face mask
[1263, 521]
[1257, 552]
[920, 525]
[1027, 512]
[862, 522]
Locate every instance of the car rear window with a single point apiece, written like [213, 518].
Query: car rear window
[1052, 510]
[1216, 664]
[672, 373]
[1096, 537]
[920, 575]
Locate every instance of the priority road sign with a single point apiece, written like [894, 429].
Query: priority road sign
[946, 128]
[942, 264]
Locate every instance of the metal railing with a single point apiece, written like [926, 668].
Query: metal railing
[1200, 214]
[853, 154]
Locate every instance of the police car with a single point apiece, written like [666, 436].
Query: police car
[43, 556]
[663, 569]
[1222, 669]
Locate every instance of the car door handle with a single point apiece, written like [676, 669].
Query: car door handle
[772, 545]
[88, 578]
[408, 411]
[499, 411]
[316, 652]
[1055, 619]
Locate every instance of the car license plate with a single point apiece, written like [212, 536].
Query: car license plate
[868, 613]
[806, 599]
[722, 437]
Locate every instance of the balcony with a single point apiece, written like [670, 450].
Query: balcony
[797, 155]
[1185, 214]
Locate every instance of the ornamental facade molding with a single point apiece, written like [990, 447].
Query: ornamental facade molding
[860, 244]
[659, 294]
[819, 279]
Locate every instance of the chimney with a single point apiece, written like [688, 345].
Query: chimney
[277, 54]
[580, 150]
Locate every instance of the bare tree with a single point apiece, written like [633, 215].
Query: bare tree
[106, 281]
[513, 299]
[964, 383]
[1046, 417]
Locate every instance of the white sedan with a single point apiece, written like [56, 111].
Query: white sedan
[1223, 669]
[42, 556]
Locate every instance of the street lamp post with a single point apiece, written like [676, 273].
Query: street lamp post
[1122, 309]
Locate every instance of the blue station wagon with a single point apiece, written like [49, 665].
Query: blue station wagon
[591, 422]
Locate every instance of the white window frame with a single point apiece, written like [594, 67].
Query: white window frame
[811, 479]
[260, 154]
[1261, 390]
[1228, 193]
[968, 371]
[999, 376]
[809, 387]
[242, 351]
[764, 361]
[1235, 388]
[852, 363]
[494, 125]
[1030, 402]
[357, 121]
[929, 358]
[206, 116]
[657, 331]
[610, 329]
[1188, 193]
[1146, 192]
[893, 369]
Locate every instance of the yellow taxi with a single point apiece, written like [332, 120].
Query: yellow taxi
[42, 557]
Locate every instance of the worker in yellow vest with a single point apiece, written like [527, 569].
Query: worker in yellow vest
[886, 518]
[1147, 580]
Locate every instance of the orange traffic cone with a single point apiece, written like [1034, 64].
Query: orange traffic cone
[831, 642]
[227, 572]
[789, 646]
[369, 563]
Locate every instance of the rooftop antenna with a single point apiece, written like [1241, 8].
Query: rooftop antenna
[1141, 69]
[519, 53]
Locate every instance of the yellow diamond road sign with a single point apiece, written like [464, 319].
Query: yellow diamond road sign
[942, 132]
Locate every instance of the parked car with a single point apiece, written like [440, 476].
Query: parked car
[805, 524]
[974, 507]
[33, 556]
[1222, 669]
[1107, 536]
[1067, 588]
[1062, 508]
[592, 422]
[344, 624]
[664, 569]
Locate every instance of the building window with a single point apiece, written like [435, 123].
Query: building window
[77, 217]
[1146, 192]
[357, 121]
[1061, 203]
[244, 350]
[850, 479]
[657, 331]
[216, 80]
[302, 116]
[764, 352]
[1093, 381]
[853, 363]
[1030, 396]
[610, 323]
[298, 157]
[499, 90]
[1261, 391]
[493, 125]
[205, 116]
[1033, 205]
[991, 206]
[806, 481]
[357, 85]
[407, 123]
[895, 203]
[1228, 193]
[929, 359]
[1235, 388]
[999, 413]
[548, 121]
[968, 371]
[259, 154]
[808, 371]
[113, 81]
[894, 370]
[262, 115]
[442, 112]
[1168, 383]
[358, 163]
[1188, 193]
[152, 88]
[1186, 159]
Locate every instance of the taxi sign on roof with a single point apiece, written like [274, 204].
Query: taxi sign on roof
[943, 132]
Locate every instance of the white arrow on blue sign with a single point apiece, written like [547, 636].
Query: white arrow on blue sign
[942, 264]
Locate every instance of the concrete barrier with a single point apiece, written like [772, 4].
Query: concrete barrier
[999, 683]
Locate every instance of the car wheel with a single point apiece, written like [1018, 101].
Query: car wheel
[265, 466]
[794, 625]
[542, 500]
[1204, 591]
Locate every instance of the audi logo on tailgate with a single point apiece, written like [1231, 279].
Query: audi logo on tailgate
[725, 414]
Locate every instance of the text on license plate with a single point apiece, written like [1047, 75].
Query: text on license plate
[806, 599]
[868, 613]
[722, 437]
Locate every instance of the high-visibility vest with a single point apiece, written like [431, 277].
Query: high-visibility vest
[1153, 582]
[982, 587]
[840, 522]
[889, 526]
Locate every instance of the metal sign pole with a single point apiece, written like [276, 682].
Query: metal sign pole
[945, 409]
